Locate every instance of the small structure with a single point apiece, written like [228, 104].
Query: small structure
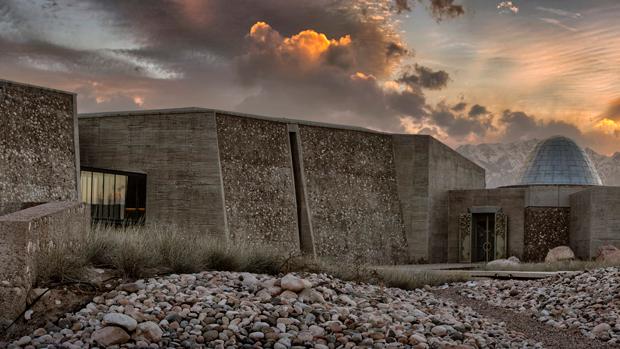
[39, 166]
[554, 204]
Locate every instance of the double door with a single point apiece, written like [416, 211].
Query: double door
[482, 237]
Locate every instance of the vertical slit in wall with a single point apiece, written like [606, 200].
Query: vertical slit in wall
[304, 229]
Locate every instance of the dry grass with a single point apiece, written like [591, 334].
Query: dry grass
[139, 252]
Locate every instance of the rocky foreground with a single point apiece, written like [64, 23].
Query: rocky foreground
[589, 301]
[240, 310]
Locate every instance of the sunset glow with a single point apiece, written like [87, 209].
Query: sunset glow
[464, 71]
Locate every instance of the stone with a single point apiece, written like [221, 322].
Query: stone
[121, 320]
[110, 335]
[601, 331]
[131, 287]
[150, 331]
[608, 254]
[23, 341]
[309, 295]
[257, 336]
[439, 331]
[560, 253]
[514, 259]
[292, 283]
[502, 263]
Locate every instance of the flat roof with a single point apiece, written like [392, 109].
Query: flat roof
[189, 110]
[22, 84]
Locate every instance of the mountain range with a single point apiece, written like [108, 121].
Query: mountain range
[504, 161]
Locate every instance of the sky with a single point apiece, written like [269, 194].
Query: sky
[464, 71]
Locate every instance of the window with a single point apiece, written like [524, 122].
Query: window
[114, 197]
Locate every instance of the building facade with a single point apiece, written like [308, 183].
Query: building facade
[314, 188]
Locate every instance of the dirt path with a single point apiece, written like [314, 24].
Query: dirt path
[549, 336]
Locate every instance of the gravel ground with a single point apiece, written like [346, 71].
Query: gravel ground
[587, 301]
[549, 336]
[233, 310]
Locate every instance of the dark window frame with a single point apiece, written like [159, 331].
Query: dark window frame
[132, 215]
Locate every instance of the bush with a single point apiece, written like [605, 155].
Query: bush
[59, 262]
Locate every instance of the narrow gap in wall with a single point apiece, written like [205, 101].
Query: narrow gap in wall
[305, 240]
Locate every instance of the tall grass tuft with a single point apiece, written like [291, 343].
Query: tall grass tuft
[145, 251]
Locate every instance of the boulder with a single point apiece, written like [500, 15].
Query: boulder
[608, 254]
[560, 253]
[110, 335]
[120, 320]
[292, 283]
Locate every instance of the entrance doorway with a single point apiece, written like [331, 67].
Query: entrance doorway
[483, 244]
[483, 234]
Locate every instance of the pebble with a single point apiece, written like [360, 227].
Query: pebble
[241, 310]
[586, 300]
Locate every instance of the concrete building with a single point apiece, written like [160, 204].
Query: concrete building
[320, 189]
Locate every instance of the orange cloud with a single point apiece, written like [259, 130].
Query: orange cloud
[608, 126]
[308, 45]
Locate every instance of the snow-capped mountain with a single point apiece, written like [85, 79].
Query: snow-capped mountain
[504, 161]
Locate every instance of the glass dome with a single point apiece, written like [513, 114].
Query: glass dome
[559, 160]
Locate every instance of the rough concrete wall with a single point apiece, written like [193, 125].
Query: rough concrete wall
[412, 178]
[258, 181]
[580, 223]
[178, 152]
[352, 194]
[22, 235]
[510, 200]
[448, 170]
[545, 228]
[595, 220]
[37, 145]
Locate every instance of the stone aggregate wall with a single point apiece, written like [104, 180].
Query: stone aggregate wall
[177, 151]
[352, 195]
[37, 145]
[257, 174]
[545, 228]
[22, 235]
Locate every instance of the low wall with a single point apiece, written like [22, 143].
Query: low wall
[545, 228]
[595, 220]
[22, 235]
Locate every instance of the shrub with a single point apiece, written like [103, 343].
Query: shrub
[59, 262]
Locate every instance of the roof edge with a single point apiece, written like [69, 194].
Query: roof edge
[23, 84]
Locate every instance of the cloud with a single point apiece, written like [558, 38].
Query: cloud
[439, 9]
[425, 77]
[559, 12]
[315, 76]
[612, 111]
[443, 9]
[558, 23]
[476, 111]
[507, 7]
